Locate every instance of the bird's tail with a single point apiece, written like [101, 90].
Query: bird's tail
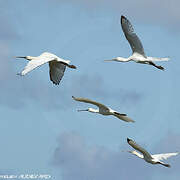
[158, 59]
[164, 59]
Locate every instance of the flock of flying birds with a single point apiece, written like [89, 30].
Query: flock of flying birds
[57, 68]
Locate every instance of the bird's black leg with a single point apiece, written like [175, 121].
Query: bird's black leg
[153, 64]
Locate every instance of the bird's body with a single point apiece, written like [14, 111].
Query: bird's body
[57, 65]
[102, 109]
[138, 54]
[153, 159]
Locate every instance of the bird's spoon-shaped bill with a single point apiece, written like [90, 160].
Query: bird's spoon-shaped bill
[20, 57]
[82, 110]
[108, 59]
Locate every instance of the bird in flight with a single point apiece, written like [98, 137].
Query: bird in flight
[138, 54]
[57, 65]
[102, 109]
[153, 159]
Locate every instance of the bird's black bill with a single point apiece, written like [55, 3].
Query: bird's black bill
[21, 57]
[108, 60]
[82, 110]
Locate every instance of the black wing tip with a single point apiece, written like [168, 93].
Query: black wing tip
[56, 83]
[129, 140]
[122, 17]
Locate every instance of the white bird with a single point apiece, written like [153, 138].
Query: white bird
[138, 54]
[57, 65]
[104, 110]
[153, 159]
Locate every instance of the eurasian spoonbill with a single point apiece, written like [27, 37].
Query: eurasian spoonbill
[153, 159]
[138, 54]
[104, 110]
[57, 65]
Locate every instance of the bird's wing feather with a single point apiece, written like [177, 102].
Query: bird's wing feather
[131, 36]
[123, 117]
[139, 148]
[85, 100]
[56, 71]
[164, 156]
[35, 63]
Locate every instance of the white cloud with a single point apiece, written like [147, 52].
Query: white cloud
[77, 160]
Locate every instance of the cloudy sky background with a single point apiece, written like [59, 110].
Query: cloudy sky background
[41, 131]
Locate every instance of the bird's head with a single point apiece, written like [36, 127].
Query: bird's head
[25, 57]
[121, 59]
[89, 110]
[28, 57]
[83, 110]
[132, 152]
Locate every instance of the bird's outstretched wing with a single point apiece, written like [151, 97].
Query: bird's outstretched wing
[123, 117]
[85, 100]
[39, 61]
[131, 36]
[164, 156]
[139, 148]
[56, 71]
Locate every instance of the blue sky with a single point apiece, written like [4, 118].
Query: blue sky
[41, 131]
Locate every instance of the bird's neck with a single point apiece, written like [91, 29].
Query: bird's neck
[137, 154]
[121, 59]
[94, 110]
[30, 58]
